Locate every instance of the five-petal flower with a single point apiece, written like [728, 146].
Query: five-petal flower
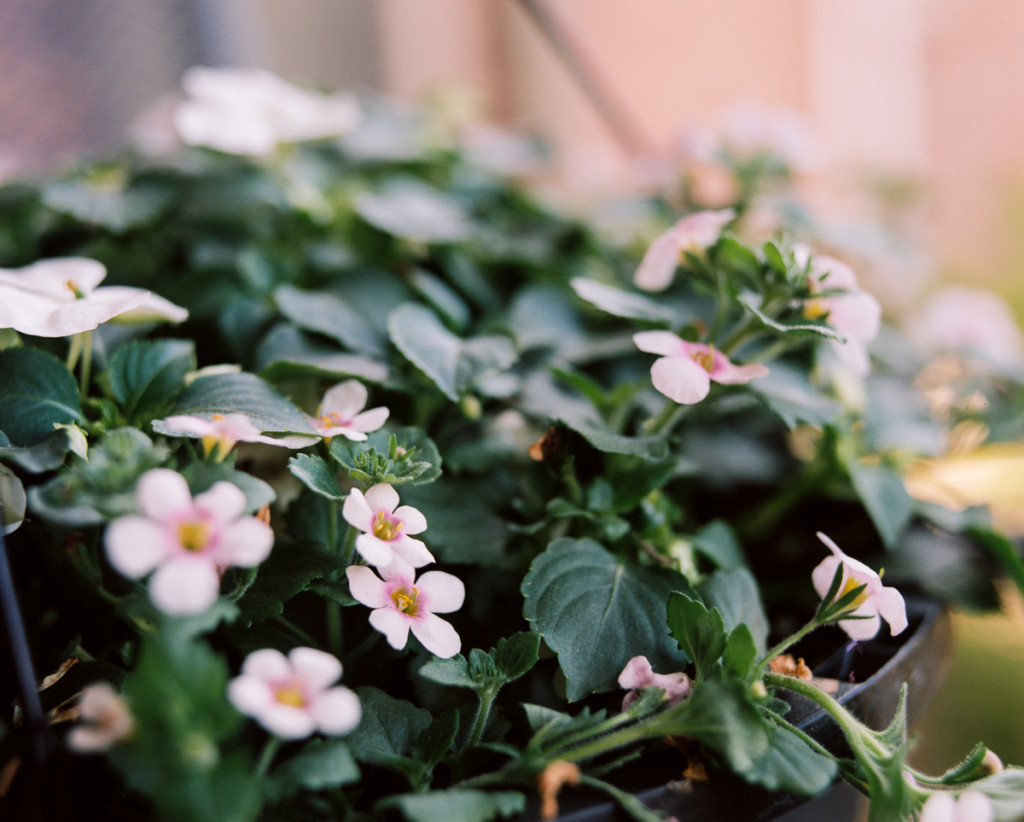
[387, 527]
[61, 297]
[292, 696]
[341, 413]
[875, 602]
[401, 603]
[186, 543]
[685, 370]
[692, 233]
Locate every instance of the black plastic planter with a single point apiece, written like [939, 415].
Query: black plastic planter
[919, 658]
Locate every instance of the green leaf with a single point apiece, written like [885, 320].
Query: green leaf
[201, 476]
[324, 313]
[597, 612]
[146, 375]
[788, 392]
[884, 496]
[389, 727]
[38, 391]
[290, 568]
[621, 303]
[605, 439]
[456, 805]
[286, 352]
[718, 543]
[699, 632]
[316, 475]
[322, 763]
[448, 506]
[403, 457]
[1002, 550]
[740, 653]
[410, 209]
[116, 208]
[791, 765]
[241, 394]
[735, 594]
[510, 659]
[792, 329]
[1006, 790]
[451, 362]
[517, 654]
[434, 743]
[442, 298]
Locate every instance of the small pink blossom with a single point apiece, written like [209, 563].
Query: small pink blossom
[104, 720]
[292, 696]
[387, 527]
[969, 806]
[685, 370]
[185, 543]
[693, 233]
[875, 603]
[341, 413]
[402, 603]
[223, 431]
[638, 674]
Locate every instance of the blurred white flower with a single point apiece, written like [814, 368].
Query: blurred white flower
[104, 720]
[693, 233]
[223, 431]
[970, 806]
[250, 111]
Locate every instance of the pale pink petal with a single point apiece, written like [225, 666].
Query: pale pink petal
[267, 664]
[250, 695]
[413, 551]
[660, 342]
[286, 721]
[357, 511]
[244, 543]
[437, 636]
[102, 305]
[853, 354]
[51, 276]
[370, 420]
[441, 592]
[823, 573]
[366, 587]
[393, 624]
[727, 373]
[336, 711]
[892, 609]
[86, 739]
[184, 586]
[973, 806]
[153, 308]
[676, 686]
[856, 315]
[375, 551]
[135, 545]
[162, 493]
[340, 431]
[659, 264]
[638, 673]
[398, 574]
[224, 502]
[940, 807]
[861, 630]
[413, 522]
[290, 441]
[381, 496]
[345, 399]
[681, 379]
[317, 668]
[185, 424]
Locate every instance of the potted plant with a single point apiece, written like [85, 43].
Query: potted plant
[344, 479]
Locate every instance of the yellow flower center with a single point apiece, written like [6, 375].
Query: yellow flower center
[815, 309]
[848, 586]
[386, 528]
[74, 289]
[193, 535]
[291, 695]
[406, 600]
[705, 359]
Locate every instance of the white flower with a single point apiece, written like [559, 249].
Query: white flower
[875, 603]
[693, 233]
[185, 542]
[970, 806]
[105, 720]
[402, 603]
[341, 413]
[292, 696]
[386, 526]
[222, 431]
[60, 297]
[250, 111]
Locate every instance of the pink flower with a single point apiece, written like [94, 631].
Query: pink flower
[685, 370]
[638, 674]
[185, 543]
[223, 431]
[970, 806]
[386, 527]
[292, 696]
[853, 313]
[875, 603]
[402, 603]
[693, 233]
[105, 720]
[341, 413]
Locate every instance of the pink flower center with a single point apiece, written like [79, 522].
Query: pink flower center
[386, 527]
[291, 693]
[334, 420]
[406, 600]
[194, 534]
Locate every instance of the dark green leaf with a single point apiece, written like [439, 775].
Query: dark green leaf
[699, 632]
[324, 313]
[791, 765]
[517, 654]
[38, 391]
[389, 727]
[146, 375]
[322, 763]
[789, 393]
[289, 569]
[605, 439]
[597, 612]
[740, 653]
[434, 743]
[442, 298]
[410, 209]
[884, 496]
[448, 506]
[735, 594]
[316, 475]
[718, 542]
[288, 353]
[115, 208]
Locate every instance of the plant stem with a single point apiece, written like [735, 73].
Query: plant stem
[295, 629]
[267, 756]
[483, 712]
[349, 547]
[667, 419]
[789, 641]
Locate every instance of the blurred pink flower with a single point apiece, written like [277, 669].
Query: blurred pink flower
[184, 542]
[875, 603]
[341, 413]
[402, 603]
[223, 431]
[638, 674]
[693, 233]
[387, 527]
[104, 720]
[969, 806]
[685, 370]
[292, 696]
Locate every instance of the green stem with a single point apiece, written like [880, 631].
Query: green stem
[267, 756]
[349, 547]
[856, 733]
[295, 629]
[86, 371]
[667, 419]
[483, 712]
[334, 630]
[789, 641]
[571, 481]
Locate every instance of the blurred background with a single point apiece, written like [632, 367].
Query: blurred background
[916, 99]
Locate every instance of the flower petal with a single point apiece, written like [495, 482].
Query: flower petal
[413, 551]
[162, 493]
[892, 609]
[317, 668]
[336, 711]
[413, 522]
[443, 592]
[367, 587]
[638, 673]
[184, 586]
[375, 551]
[135, 545]
[394, 626]
[659, 264]
[728, 373]
[357, 511]
[381, 496]
[224, 502]
[437, 636]
[680, 379]
[370, 420]
[346, 399]
[659, 342]
[285, 721]
[267, 664]
[861, 629]
[245, 543]
[250, 695]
